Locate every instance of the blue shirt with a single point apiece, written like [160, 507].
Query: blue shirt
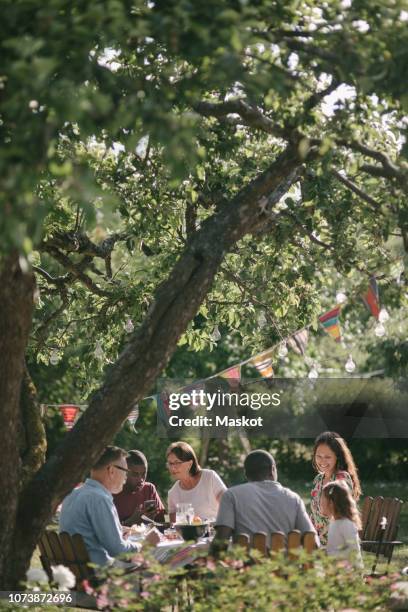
[90, 511]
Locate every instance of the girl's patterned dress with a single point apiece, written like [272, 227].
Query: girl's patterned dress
[321, 522]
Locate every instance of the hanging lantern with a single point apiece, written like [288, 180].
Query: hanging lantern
[69, 413]
[215, 336]
[283, 350]
[383, 315]
[54, 357]
[350, 365]
[262, 320]
[341, 297]
[380, 330]
[98, 352]
[129, 327]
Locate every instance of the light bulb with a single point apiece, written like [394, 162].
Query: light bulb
[383, 315]
[99, 215]
[216, 334]
[350, 365]
[341, 297]
[98, 352]
[283, 350]
[129, 327]
[262, 320]
[379, 330]
[313, 374]
[54, 357]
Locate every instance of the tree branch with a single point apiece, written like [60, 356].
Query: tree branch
[79, 242]
[355, 189]
[52, 280]
[41, 331]
[388, 169]
[250, 116]
[191, 219]
[306, 232]
[76, 269]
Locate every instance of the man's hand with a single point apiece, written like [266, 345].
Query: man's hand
[220, 542]
[135, 518]
[150, 512]
[153, 537]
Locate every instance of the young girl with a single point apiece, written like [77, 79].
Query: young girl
[332, 460]
[342, 538]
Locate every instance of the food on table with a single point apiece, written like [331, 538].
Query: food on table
[137, 529]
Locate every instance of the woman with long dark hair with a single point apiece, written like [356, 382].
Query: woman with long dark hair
[199, 487]
[332, 460]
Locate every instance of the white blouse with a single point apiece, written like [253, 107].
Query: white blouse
[203, 497]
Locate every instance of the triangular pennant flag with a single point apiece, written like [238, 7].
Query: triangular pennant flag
[371, 298]
[133, 415]
[233, 375]
[263, 363]
[331, 324]
[163, 407]
[69, 413]
[298, 342]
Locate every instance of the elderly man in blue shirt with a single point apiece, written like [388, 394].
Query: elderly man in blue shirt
[89, 510]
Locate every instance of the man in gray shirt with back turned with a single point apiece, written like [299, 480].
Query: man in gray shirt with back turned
[261, 504]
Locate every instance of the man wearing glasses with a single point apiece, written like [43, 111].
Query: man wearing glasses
[90, 511]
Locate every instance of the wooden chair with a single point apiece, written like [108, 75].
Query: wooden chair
[63, 549]
[294, 541]
[376, 536]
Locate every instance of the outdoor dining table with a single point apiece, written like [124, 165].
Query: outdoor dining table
[178, 552]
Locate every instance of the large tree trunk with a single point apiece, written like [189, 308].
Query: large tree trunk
[33, 442]
[132, 376]
[16, 304]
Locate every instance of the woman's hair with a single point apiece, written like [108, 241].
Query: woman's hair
[344, 505]
[345, 460]
[185, 452]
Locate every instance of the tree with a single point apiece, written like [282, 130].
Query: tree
[241, 190]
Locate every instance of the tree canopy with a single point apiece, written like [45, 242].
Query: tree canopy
[184, 165]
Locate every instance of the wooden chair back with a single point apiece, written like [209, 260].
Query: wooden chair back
[63, 549]
[373, 510]
[294, 542]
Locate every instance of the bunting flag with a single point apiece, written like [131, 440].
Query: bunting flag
[331, 324]
[263, 363]
[298, 342]
[69, 413]
[133, 415]
[371, 298]
[233, 375]
[163, 407]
